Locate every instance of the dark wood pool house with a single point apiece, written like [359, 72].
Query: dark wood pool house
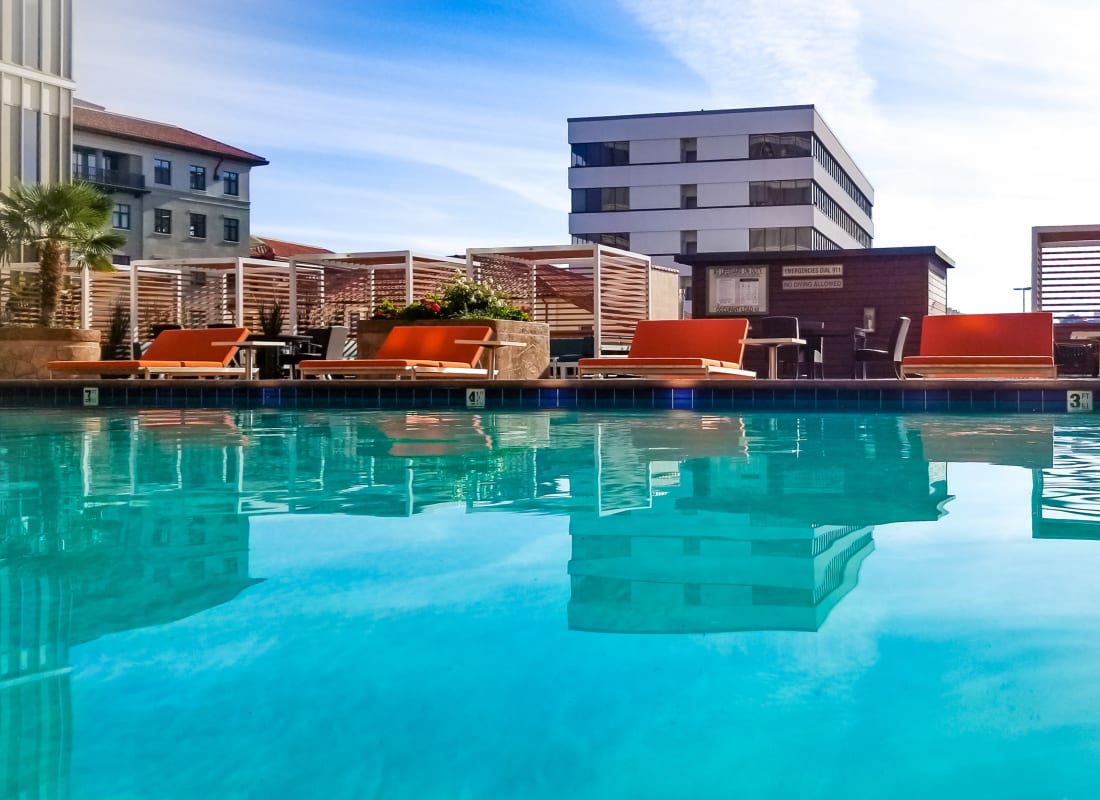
[843, 289]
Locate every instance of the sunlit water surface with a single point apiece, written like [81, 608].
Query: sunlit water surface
[199, 604]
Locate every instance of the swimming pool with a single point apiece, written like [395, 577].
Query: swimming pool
[201, 603]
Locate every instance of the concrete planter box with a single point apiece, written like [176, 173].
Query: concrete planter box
[24, 352]
[513, 363]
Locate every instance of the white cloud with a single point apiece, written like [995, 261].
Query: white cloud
[480, 144]
[755, 52]
[972, 120]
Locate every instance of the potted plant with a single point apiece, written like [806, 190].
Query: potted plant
[62, 224]
[271, 319]
[271, 327]
[462, 299]
[118, 326]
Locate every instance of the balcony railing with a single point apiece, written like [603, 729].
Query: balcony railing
[109, 178]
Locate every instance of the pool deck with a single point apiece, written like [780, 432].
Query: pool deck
[1045, 396]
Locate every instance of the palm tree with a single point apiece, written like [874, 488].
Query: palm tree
[61, 221]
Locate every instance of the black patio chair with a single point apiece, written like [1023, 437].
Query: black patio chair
[809, 358]
[861, 353]
[566, 352]
[324, 343]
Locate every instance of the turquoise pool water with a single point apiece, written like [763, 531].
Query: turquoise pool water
[241, 604]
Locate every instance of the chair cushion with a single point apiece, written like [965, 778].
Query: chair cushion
[1026, 333]
[624, 364]
[196, 344]
[434, 343]
[931, 361]
[110, 366]
[380, 363]
[719, 339]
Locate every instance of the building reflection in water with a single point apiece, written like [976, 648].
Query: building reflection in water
[763, 528]
[108, 525]
[678, 522]
[1065, 496]
[1064, 461]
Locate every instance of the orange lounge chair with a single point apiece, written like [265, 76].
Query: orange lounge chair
[174, 353]
[415, 352]
[679, 348]
[1016, 345]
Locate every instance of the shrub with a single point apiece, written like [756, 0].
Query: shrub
[462, 297]
[424, 308]
[387, 309]
[458, 298]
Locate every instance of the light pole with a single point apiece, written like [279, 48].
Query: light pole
[1023, 290]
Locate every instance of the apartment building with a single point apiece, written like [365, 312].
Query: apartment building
[178, 194]
[36, 91]
[754, 179]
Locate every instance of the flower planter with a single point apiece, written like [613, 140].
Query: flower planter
[24, 352]
[513, 363]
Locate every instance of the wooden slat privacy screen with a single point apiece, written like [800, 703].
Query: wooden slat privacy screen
[1066, 272]
[563, 295]
[19, 296]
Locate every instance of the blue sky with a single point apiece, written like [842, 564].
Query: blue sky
[441, 125]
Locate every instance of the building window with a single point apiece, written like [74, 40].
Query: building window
[689, 242]
[198, 178]
[614, 198]
[162, 172]
[619, 240]
[780, 145]
[601, 154]
[32, 145]
[120, 260]
[120, 217]
[825, 159]
[780, 193]
[841, 217]
[162, 220]
[689, 150]
[196, 227]
[232, 183]
[789, 239]
[232, 229]
[689, 195]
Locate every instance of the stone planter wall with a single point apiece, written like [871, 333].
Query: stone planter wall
[24, 352]
[513, 363]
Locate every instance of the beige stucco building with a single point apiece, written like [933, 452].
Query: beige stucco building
[177, 194]
[36, 91]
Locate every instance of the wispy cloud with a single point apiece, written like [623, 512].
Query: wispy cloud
[755, 52]
[966, 117]
[972, 120]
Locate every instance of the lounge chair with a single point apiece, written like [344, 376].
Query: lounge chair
[679, 348]
[414, 352]
[174, 353]
[1016, 345]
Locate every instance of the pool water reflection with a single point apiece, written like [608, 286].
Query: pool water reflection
[254, 604]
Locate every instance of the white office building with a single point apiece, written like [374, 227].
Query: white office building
[716, 181]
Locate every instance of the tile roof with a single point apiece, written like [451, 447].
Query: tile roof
[263, 247]
[143, 130]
